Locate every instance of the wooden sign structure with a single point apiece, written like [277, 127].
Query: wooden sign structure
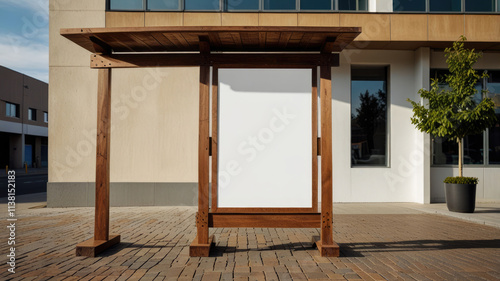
[277, 47]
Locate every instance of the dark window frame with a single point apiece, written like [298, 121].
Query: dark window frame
[387, 154]
[223, 7]
[17, 108]
[32, 114]
[335, 8]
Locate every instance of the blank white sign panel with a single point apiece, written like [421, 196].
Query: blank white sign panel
[265, 141]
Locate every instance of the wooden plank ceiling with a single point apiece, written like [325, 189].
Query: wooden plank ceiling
[221, 38]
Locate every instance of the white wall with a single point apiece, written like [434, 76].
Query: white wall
[400, 181]
[488, 188]
[380, 6]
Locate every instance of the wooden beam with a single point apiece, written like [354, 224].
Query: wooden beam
[329, 46]
[100, 46]
[314, 117]
[260, 210]
[220, 60]
[204, 45]
[326, 157]
[215, 136]
[273, 220]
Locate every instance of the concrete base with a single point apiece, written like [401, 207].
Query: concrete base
[82, 194]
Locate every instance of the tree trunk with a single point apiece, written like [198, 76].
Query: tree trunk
[460, 158]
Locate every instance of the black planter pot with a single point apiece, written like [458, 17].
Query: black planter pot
[460, 198]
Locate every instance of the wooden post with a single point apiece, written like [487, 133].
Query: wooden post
[102, 240]
[201, 245]
[215, 136]
[314, 116]
[326, 245]
[101, 229]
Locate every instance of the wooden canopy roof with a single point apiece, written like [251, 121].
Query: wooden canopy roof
[221, 38]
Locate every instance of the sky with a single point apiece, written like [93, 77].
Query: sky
[24, 37]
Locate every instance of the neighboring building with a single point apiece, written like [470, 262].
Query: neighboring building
[378, 158]
[24, 120]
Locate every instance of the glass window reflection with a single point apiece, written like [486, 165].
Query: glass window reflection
[493, 86]
[163, 5]
[409, 5]
[249, 5]
[316, 5]
[201, 5]
[445, 5]
[479, 5]
[279, 5]
[126, 5]
[369, 116]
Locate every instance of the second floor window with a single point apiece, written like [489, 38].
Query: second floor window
[32, 114]
[11, 109]
[46, 117]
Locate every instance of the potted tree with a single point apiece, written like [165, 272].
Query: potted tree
[454, 114]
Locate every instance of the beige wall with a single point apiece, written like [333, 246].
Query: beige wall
[154, 111]
[155, 115]
[72, 92]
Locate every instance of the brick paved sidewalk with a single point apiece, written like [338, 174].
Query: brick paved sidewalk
[407, 246]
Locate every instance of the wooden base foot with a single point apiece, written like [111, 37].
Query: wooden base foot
[92, 248]
[332, 250]
[201, 250]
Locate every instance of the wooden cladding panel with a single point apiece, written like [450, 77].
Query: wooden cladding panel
[445, 27]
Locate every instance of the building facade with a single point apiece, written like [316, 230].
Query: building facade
[378, 156]
[23, 120]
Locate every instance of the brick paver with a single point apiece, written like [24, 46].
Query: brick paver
[155, 242]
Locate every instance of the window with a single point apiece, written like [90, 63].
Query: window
[46, 117]
[32, 114]
[479, 5]
[353, 5]
[493, 86]
[163, 5]
[126, 5]
[316, 5]
[445, 151]
[369, 116]
[409, 5]
[279, 4]
[11, 109]
[202, 5]
[445, 5]
[248, 5]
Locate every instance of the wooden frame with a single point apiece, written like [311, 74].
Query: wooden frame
[267, 217]
[214, 151]
[273, 47]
